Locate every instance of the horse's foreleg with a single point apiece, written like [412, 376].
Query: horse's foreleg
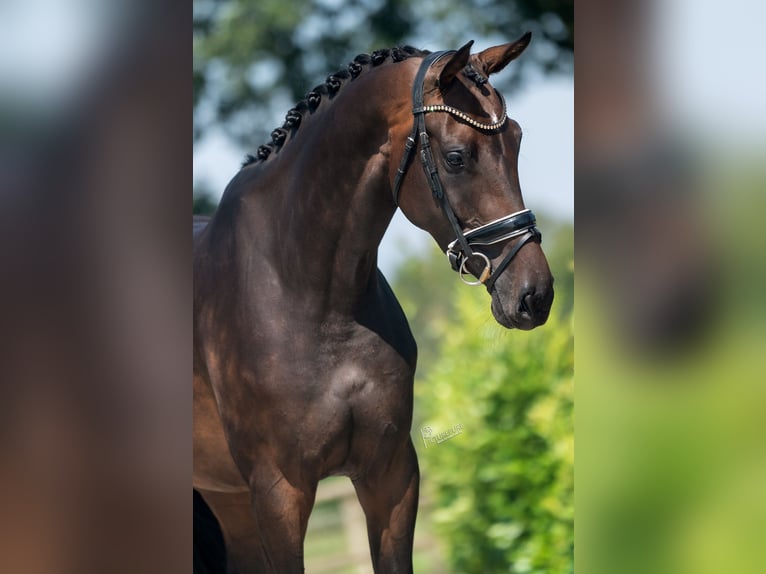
[389, 496]
[282, 508]
[245, 553]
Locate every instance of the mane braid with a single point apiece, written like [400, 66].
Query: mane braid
[332, 85]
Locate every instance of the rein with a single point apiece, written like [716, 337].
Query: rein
[519, 225]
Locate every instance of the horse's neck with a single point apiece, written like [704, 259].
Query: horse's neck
[321, 206]
[335, 219]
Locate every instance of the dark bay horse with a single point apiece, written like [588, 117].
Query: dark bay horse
[303, 359]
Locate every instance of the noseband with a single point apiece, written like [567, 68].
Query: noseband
[519, 226]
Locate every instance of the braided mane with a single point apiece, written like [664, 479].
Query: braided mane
[330, 87]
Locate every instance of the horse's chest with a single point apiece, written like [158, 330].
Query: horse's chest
[331, 378]
[331, 395]
[325, 364]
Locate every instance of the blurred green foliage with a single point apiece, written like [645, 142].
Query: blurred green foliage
[671, 457]
[503, 488]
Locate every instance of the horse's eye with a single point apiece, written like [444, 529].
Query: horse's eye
[455, 159]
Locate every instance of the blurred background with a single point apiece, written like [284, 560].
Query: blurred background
[498, 496]
[671, 379]
[95, 286]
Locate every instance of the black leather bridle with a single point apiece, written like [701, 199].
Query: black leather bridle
[519, 226]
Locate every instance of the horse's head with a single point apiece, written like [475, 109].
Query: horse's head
[468, 195]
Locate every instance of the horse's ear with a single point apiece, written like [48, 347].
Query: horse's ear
[456, 62]
[492, 60]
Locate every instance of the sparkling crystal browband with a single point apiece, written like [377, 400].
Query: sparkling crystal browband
[465, 117]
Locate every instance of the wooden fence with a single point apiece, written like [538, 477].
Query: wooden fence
[336, 541]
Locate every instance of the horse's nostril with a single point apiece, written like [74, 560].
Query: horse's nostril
[524, 304]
